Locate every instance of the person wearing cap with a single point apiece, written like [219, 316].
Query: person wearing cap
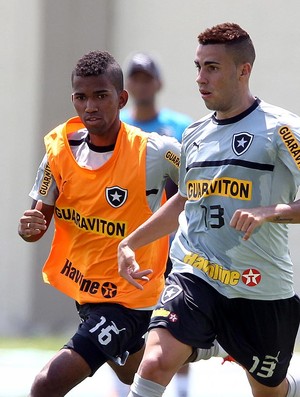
[144, 82]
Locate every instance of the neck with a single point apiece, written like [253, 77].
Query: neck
[105, 137]
[239, 107]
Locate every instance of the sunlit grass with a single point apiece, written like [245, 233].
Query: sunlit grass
[46, 343]
[43, 343]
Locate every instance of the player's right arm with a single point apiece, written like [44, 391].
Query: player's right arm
[35, 221]
[163, 222]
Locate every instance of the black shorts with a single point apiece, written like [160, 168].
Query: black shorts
[258, 334]
[108, 332]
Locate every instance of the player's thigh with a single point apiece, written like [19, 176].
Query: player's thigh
[259, 390]
[163, 356]
[265, 348]
[109, 332]
[126, 372]
[64, 371]
[186, 309]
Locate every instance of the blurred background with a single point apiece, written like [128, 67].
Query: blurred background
[40, 43]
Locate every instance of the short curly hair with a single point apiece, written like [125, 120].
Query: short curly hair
[96, 63]
[232, 36]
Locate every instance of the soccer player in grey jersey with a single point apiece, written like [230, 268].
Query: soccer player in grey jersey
[232, 275]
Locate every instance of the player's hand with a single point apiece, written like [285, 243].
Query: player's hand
[32, 222]
[247, 220]
[129, 268]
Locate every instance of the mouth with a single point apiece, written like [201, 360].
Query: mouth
[92, 119]
[204, 93]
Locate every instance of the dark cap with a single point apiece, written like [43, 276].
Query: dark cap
[143, 63]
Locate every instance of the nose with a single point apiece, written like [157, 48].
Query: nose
[91, 106]
[201, 79]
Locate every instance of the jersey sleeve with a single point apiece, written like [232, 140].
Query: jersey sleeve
[44, 187]
[182, 171]
[163, 158]
[288, 141]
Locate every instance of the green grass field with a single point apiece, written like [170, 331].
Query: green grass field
[45, 343]
[42, 343]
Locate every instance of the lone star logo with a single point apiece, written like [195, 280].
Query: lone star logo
[116, 196]
[251, 277]
[241, 142]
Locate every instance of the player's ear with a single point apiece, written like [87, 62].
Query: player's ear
[159, 85]
[123, 98]
[245, 70]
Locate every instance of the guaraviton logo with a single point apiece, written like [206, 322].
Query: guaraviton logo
[291, 144]
[173, 158]
[46, 181]
[226, 187]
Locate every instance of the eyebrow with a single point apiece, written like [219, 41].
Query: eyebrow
[208, 63]
[94, 92]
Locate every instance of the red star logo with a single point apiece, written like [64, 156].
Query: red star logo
[251, 277]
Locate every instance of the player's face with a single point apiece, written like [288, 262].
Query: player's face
[143, 88]
[98, 103]
[218, 79]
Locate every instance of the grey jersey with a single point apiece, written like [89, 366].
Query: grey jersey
[248, 161]
[162, 162]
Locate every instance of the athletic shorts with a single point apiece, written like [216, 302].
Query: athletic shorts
[108, 332]
[260, 335]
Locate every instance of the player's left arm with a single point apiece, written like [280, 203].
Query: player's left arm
[247, 220]
[286, 139]
[162, 222]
